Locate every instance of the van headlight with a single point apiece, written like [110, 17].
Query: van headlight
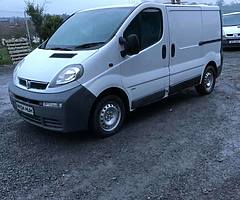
[18, 66]
[67, 75]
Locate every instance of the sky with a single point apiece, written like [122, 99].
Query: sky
[16, 7]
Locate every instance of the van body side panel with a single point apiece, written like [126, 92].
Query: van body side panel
[104, 70]
[185, 25]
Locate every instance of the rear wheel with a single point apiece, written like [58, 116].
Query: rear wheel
[108, 116]
[208, 81]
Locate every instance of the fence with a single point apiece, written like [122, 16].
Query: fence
[18, 49]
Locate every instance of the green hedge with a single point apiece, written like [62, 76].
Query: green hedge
[4, 57]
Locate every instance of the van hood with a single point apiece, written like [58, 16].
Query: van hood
[231, 30]
[43, 65]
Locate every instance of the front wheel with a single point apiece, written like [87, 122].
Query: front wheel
[208, 82]
[108, 116]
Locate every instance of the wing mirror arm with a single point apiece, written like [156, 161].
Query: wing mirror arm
[130, 44]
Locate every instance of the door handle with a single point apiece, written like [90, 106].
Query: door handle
[164, 51]
[173, 50]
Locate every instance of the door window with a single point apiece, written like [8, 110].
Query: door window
[148, 26]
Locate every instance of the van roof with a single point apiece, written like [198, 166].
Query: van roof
[134, 5]
[233, 13]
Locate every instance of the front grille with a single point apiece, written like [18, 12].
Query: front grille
[52, 123]
[42, 121]
[230, 35]
[34, 119]
[25, 100]
[29, 84]
[22, 82]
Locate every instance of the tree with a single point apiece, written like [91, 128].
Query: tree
[220, 3]
[37, 16]
[50, 25]
[45, 24]
[175, 1]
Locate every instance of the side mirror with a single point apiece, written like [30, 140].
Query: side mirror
[131, 45]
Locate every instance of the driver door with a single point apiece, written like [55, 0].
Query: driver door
[146, 74]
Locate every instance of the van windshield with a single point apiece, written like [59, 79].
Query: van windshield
[89, 29]
[231, 20]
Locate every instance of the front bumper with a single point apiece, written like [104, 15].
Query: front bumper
[229, 43]
[72, 116]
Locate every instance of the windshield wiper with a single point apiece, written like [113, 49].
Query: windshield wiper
[89, 45]
[61, 49]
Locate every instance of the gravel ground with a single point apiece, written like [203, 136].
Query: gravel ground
[185, 147]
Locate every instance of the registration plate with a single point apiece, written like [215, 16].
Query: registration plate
[234, 41]
[25, 109]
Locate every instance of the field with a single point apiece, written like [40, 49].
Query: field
[4, 57]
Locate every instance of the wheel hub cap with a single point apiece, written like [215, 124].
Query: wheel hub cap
[208, 80]
[110, 117]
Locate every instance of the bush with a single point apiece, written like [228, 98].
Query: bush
[50, 25]
[5, 58]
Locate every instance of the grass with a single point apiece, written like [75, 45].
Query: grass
[5, 57]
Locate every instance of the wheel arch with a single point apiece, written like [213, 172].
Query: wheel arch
[214, 65]
[112, 91]
[118, 92]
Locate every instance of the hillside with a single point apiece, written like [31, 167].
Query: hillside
[14, 27]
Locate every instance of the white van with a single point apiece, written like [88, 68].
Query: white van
[231, 30]
[102, 63]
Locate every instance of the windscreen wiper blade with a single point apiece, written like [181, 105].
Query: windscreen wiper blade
[89, 45]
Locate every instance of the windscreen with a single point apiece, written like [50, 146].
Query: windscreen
[88, 29]
[231, 20]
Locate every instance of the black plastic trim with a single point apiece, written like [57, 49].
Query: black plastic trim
[184, 85]
[201, 43]
[173, 50]
[164, 51]
[148, 99]
[74, 114]
[63, 55]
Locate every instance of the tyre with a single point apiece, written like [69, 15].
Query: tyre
[208, 81]
[108, 116]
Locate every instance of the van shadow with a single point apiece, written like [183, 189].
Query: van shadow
[137, 116]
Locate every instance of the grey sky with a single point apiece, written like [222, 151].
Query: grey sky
[16, 7]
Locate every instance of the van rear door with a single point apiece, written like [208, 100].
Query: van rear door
[186, 64]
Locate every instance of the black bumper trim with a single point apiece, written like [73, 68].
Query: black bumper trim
[226, 43]
[73, 116]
